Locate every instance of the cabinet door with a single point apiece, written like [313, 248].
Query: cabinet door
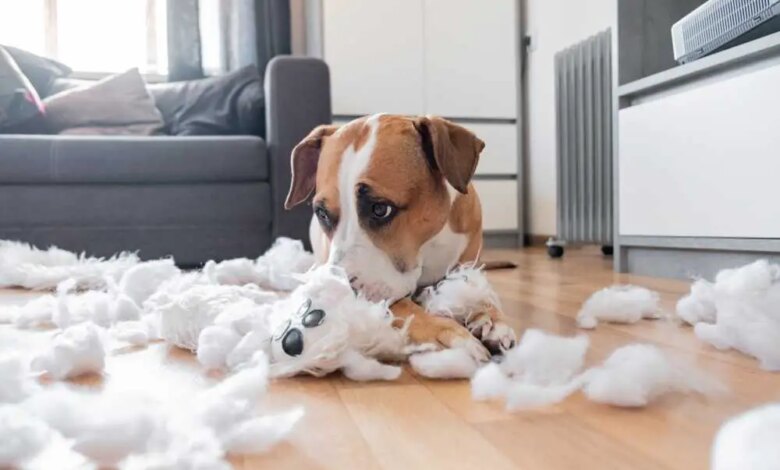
[500, 155]
[499, 204]
[374, 50]
[471, 56]
[702, 161]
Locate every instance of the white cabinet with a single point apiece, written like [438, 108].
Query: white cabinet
[374, 50]
[452, 58]
[500, 154]
[703, 161]
[499, 204]
[471, 50]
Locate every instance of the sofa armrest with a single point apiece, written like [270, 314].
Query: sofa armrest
[297, 91]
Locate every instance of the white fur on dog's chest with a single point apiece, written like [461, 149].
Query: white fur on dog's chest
[440, 254]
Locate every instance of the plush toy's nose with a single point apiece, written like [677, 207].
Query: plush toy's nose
[292, 343]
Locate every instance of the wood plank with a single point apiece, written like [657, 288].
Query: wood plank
[407, 427]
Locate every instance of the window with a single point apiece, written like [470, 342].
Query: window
[92, 37]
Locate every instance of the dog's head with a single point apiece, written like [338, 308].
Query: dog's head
[383, 185]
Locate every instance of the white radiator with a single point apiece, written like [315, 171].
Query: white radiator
[583, 95]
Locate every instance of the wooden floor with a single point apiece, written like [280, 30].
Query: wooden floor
[416, 423]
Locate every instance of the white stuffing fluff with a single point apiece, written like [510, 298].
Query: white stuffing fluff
[35, 313]
[619, 304]
[184, 315]
[134, 431]
[544, 369]
[22, 437]
[446, 364]
[540, 370]
[699, 305]
[542, 366]
[749, 441]
[276, 269]
[637, 374]
[215, 344]
[489, 383]
[358, 367]
[139, 282]
[545, 359]
[747, 318]
[22, 265]
[463, 291]
[17, 382]
[134, 333]
[76, 351]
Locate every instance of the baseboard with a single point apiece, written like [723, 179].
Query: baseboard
[501, 240]
[685, 263]
[536, 240]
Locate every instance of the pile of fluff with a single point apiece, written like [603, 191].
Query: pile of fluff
[22, 265]
[749, 441]
[61, 427]
[545, 369]
[740, 310]
[619, 304]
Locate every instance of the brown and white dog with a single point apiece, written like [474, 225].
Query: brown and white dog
[395, 208]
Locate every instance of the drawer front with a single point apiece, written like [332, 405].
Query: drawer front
[499, 204]
[500, 154]
[703, 162]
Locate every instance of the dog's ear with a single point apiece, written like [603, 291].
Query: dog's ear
[452, 149]
[304, 160]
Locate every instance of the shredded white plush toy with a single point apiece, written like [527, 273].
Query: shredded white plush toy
[322, 326]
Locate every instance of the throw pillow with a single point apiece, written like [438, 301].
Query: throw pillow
[20, 106]
[226, 105]
[119, 104]
[40, 70]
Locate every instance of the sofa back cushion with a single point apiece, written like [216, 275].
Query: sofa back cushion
[20, 107]
[41, 72]
[231, 104]
[116, 105]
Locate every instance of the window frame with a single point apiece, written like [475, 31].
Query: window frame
[51, 31]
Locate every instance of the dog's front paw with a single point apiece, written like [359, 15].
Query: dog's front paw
[496, 335]
[446, 333]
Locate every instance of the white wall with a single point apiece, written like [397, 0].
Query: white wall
[552, 25]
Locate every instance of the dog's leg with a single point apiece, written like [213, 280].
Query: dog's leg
[489, 325]
[441, 332]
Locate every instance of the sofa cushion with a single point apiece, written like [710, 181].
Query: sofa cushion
[20, 106]
[116, 105]
[229, 104]
[41, 71]
[158, 159]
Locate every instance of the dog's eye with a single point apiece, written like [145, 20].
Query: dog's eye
[313, 318]
[292, 343]
[381, 210]
[324, 217]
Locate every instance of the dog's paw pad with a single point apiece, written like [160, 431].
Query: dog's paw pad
[500, 338]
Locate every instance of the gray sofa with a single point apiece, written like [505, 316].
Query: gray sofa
[193, 198]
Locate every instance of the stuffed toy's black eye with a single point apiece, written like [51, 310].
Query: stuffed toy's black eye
[313, 318]
[292, 343]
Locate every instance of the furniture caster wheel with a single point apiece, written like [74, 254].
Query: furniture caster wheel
[555, 251]
[607, 250]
